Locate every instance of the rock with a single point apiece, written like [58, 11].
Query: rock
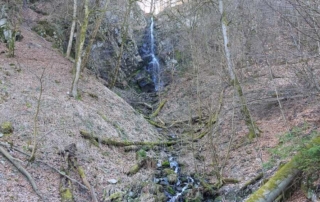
[6, 128]
[144, 81]
[112, 181]
[172, 178]
[1, 135]
[161, 197]
[168, 171]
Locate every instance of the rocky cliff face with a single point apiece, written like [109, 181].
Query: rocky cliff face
[106, 50]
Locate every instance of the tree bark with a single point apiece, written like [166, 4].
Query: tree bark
[81, 38]
[253, 130]
[73, 26]
[93, 35]
[279, 182]
[224, 26]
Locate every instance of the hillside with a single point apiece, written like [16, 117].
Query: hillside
[60, 119]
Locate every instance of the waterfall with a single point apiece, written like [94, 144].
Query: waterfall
[152, 81]
[154, 65]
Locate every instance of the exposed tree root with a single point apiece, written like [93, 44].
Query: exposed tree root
[21, 170]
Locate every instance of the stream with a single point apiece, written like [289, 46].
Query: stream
[174, 183]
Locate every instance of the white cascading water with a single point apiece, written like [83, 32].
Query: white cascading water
[155, 66]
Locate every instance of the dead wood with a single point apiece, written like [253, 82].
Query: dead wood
[161, 105]
[21, 170]
[70, 152]
[108, 141]
[39, 161]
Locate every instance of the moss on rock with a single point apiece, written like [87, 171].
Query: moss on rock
[6, 128]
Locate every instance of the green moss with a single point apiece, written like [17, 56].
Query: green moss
[66, 195]
[170, 190]
[166, 164]
[168, 171]
[134, 169]
[6, 128]
[116, 196]
[285, 171]
[141, 154]
[273, 182]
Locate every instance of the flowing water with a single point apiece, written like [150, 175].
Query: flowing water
[149, 55]
[174, 191]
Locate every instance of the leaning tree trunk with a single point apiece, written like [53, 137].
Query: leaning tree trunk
[224, 27]
[73, 26]
[253, 130]
[279, 183]
[81, 38]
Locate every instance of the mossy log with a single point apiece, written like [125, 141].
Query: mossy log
[108, 141]
[66, 190]
[278, 183]
[161, 105]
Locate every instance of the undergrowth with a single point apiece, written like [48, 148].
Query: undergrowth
[298, 139]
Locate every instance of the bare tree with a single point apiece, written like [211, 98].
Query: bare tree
[73, 26]
[78, 59]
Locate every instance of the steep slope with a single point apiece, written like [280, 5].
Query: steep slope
[98, 110]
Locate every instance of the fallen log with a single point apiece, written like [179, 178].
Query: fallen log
[161, 105]
[279, 182]
[108, 141]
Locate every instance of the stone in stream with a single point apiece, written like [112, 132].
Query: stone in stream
[173, 178]
[112, 181]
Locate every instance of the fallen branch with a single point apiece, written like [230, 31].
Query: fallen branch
[86, 182]
[250, 182]
[21, 170]
[39, 161]
[70, 152]
[161, 105]
[108, 141]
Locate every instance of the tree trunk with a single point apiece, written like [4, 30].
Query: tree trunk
[224, 26]
[253, 130]
[73, 26]
[81, 38]
[93, 35]
[279, 182]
